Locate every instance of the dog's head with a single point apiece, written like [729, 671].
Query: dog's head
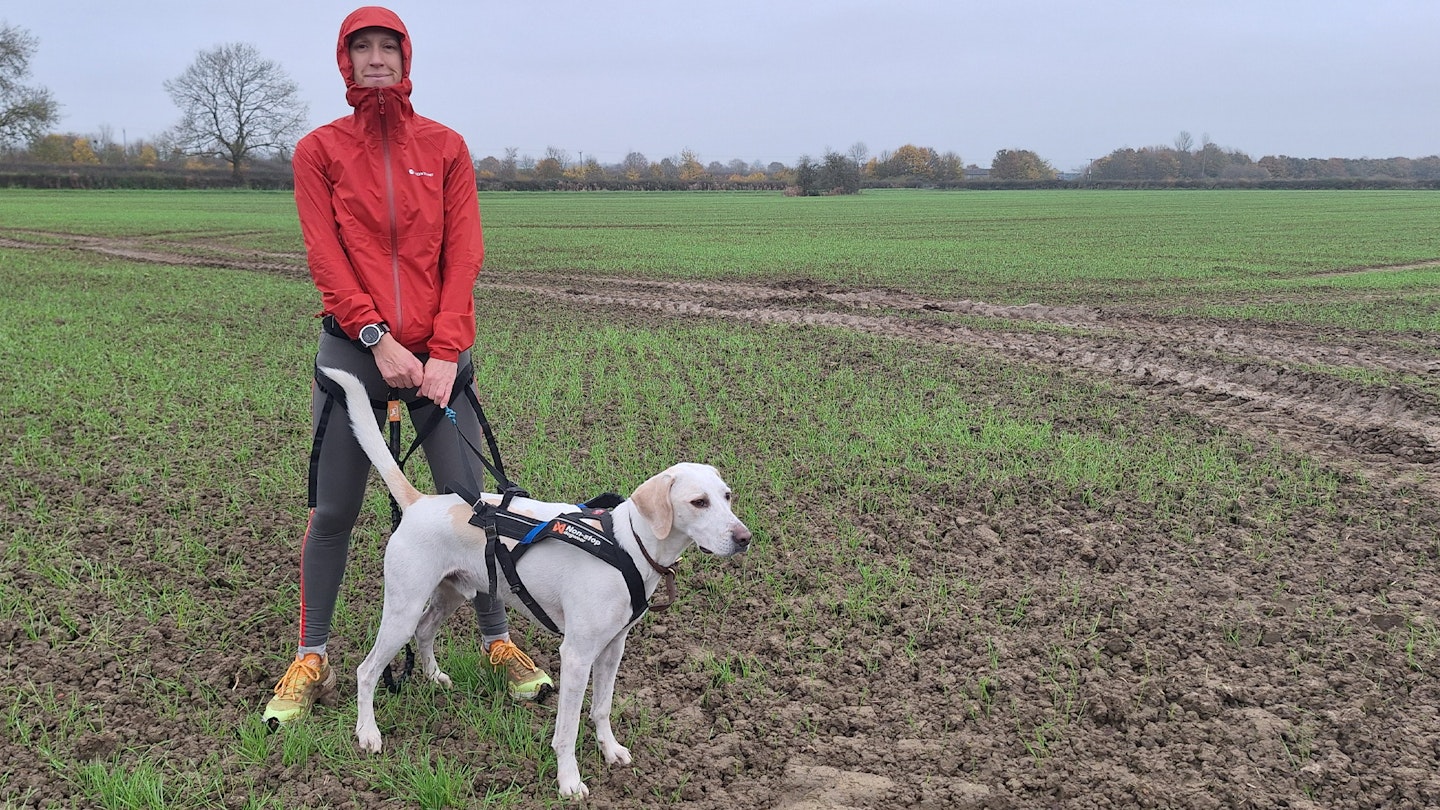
[690, 499]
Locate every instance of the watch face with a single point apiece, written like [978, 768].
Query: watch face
[370, 335]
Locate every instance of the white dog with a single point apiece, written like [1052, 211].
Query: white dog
[437, 557]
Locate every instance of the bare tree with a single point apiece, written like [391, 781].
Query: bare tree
[560, 156]
[635, 166]
[1207, 152]
[25, 112]
[948, 167]
[235, 103]
[859, 153]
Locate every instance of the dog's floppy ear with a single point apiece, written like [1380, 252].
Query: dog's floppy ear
[652, 498]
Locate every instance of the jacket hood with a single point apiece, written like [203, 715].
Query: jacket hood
[370, 17]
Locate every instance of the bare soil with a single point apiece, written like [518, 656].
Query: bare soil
[1213, 677]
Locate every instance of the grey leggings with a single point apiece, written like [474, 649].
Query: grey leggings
[339, 486]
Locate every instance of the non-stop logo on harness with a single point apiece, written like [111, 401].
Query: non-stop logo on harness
[563, 531]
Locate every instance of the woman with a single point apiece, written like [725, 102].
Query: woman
[391, 221]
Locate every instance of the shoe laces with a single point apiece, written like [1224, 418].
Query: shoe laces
[514, 658]
[301, 674]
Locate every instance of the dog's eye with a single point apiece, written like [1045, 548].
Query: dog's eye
[700, 503]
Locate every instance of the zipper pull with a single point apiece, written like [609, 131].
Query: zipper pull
[381, 95]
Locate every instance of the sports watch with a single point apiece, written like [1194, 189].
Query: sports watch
[370, 334]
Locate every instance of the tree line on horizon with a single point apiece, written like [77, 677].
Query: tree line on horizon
[1182, 160]
[100, 160]
[240, 112]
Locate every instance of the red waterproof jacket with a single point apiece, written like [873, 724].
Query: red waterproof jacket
[389, 211]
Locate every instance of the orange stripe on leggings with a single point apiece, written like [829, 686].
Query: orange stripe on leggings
[308, 520]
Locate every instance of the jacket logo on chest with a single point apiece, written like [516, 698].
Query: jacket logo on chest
[421, 174]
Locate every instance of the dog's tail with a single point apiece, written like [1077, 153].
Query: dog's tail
[367, 432]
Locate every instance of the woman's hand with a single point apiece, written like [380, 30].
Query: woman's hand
[439, 381]
[398, 366]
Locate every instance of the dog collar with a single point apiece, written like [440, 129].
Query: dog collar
[666, 572]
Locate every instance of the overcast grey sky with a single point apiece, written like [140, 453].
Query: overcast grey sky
[770, 80]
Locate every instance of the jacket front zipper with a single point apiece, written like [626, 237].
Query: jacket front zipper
[390, 206]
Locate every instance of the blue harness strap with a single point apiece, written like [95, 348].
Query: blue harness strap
[532, 535]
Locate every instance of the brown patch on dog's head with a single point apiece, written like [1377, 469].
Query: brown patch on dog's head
[652, 498]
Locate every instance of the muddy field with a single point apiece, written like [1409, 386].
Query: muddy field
[1305, 677]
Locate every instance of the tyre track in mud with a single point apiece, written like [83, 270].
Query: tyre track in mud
[167, 253]
[1260, 381]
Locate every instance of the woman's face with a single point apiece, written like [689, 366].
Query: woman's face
[375, 56]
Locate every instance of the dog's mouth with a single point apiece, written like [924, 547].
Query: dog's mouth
[729, 545]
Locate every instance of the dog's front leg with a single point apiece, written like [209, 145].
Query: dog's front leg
[576, 660]
[607, 667]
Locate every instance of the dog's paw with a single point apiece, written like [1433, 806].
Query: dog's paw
[369, 739]
[616, 754]
[441, 678]
[567, 773]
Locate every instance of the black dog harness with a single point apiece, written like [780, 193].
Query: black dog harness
[591, 528]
